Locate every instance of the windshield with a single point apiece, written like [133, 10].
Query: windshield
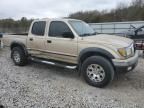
[82, 28]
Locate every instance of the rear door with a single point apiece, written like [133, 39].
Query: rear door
[61, 47]
[36, 39]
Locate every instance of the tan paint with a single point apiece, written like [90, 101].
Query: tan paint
[67, 50]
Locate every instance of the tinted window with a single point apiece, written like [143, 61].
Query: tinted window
[39, 28]
[57, 29]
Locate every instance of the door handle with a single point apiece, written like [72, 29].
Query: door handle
[31, 39]
[49, 41]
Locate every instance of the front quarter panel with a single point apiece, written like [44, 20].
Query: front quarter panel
[108, 50]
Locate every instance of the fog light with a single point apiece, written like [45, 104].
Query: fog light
[129, 68]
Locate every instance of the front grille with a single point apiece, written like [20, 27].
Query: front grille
[131, 47]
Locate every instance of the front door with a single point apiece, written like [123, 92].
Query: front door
[59, 46]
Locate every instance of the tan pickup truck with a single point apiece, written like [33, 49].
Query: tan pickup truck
[73, 44]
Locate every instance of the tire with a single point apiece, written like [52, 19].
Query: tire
[97, 71]
[18, 56]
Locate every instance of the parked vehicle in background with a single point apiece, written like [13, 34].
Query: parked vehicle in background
[73, 44]
[136, 33]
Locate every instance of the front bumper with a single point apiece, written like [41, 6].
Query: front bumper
[126, 65]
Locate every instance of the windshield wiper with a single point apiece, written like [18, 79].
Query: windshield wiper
[88, 34]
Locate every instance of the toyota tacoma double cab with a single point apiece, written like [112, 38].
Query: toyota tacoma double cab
[73, 44]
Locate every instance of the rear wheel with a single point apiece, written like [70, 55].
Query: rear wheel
[97, 71]
[18, 56]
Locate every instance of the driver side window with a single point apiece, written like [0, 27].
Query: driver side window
[58, 28]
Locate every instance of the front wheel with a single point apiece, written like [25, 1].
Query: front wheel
[97, 71]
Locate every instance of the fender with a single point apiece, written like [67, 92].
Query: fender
[92, 51]
[99, 51]
[19, 44]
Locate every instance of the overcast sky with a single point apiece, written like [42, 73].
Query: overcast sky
[52, 8]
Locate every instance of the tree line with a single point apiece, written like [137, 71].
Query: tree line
[123, 12]
[11, 25]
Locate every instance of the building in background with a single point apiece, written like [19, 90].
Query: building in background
[116, 27]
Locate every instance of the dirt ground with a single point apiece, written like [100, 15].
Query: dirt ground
[42, 86]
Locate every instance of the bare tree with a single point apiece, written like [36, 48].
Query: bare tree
[138, 3]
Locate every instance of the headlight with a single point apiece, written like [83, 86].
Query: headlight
[125, 52]
[122, 52]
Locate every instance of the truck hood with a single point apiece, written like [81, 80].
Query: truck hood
[112, 40]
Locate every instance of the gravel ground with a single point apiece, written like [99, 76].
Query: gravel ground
[43, 86]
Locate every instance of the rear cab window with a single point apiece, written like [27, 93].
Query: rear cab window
[38, 28]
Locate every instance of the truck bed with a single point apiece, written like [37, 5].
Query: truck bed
[20, 34]
[9, 38]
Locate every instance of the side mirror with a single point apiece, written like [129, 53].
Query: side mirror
[68, 35]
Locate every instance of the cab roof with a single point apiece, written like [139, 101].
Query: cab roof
[57, 19]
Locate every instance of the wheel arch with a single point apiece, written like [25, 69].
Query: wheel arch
[88, 52]
[20, 45]
[92, 51]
